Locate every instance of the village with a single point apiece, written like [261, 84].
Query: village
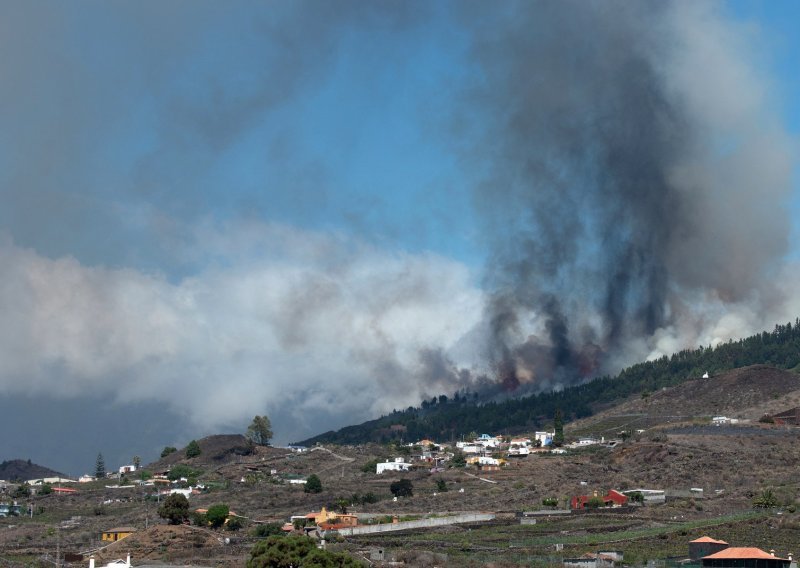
[431, 486]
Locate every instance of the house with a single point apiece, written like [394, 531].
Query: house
[123, 469]
[114, 564]
[750, 557]
[518, 451]
[788, 417]
[649, 495]
[397, 465]
[86, 478]
[544, 438]
[705, 546]
[594, 560]
[612, 499]
[118, 533]
[330, 520]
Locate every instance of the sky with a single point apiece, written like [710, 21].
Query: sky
[325, 211]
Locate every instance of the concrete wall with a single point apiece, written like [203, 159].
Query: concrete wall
[420, 524]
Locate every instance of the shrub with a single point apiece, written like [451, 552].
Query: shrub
[234, 524]
[550, 502]
[285, 551]
[217, 515]
[193, 449]
[441, 485]
[167, 451]
[313, 484]
[267, 529]
[402, 488]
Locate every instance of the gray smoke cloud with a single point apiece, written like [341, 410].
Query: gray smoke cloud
[637, 178]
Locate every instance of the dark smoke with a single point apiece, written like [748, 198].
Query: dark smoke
[589, 218]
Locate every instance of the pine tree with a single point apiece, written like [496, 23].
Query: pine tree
[193, 449]
[100, 467]
[260, 431]
[558, 427]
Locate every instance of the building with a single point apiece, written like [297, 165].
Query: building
[612, 499]
[705, 546]
[118, 533]
[745, 557]
[545, 438]
[789, 417]
[648, 495]
[397, 465]
[114, 564]
[123, 469]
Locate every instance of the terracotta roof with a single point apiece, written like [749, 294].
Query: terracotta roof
[708, 539]
[743, 553]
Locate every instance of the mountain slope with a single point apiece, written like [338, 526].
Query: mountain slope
[23, 469]
[451, 418]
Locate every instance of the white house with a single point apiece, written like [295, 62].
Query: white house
[519, 451]
[127, 469]
[544, 438]
[397, 465]
[115, 564]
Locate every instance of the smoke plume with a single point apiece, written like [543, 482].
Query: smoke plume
[634, 176]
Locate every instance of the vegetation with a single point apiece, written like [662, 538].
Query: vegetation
[167, 451]
[260, 431]
[180, 471]
[558, 428]
[193, 449]
[217, 515]
[441, 485]
[99, 467]
[313, 484]
[175, 509]
[402, 488]
[137, 461]
[267, 529]
[286, 551]
[449, 418]
[550, 502]
[765, 500]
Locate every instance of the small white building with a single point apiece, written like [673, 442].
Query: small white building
[123, 469]
[544, 438]
[397, 465]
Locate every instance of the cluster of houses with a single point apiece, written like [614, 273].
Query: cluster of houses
[704, 551]
[485, 452]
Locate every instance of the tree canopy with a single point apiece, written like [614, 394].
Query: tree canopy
[99, 467]
[402, 488]
[175, 509]
[313, 484]
[296, 551]
[217, 515]
[260, 431]
[193, 449]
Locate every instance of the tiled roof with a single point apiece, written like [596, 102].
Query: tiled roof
[708, 539]
[743, 553]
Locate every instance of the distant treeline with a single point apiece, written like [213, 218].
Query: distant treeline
[446, 418]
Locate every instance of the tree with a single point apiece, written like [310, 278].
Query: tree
[459, 459]
[260, 431]
[217, 515]
[441, 485]
[636, 497]
[313, 484]
[286, 551]
[100, 467]
[137, 461]
[558, 427]
[402, 488]
[46, 489]
[167, 451]
[175, 509]
[595, 502]
[234, 524]
[267, 529]
[193, 449]
[550, 502]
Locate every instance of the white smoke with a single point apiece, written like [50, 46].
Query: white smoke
[321, 322]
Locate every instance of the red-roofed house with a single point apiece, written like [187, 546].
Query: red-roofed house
[613, 499]
[745, 557]
[705, 546]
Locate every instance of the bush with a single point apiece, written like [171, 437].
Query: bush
[595, 503]
[234, 524]
[550, 502]
[370, 466]
[167, 451]
[402, 488]
[46, 489]
[267, 529]
[198, 519]
[217, 515]
[313, 484]
[181, 470]
[441, 485]
[285, 551]
[193, 449]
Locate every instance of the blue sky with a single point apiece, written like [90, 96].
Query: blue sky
[215, 210]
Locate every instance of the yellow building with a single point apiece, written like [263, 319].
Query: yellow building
[113, 535]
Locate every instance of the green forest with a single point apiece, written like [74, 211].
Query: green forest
[450, 418]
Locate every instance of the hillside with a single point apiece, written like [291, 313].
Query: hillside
[449, 419]
[24, 469]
